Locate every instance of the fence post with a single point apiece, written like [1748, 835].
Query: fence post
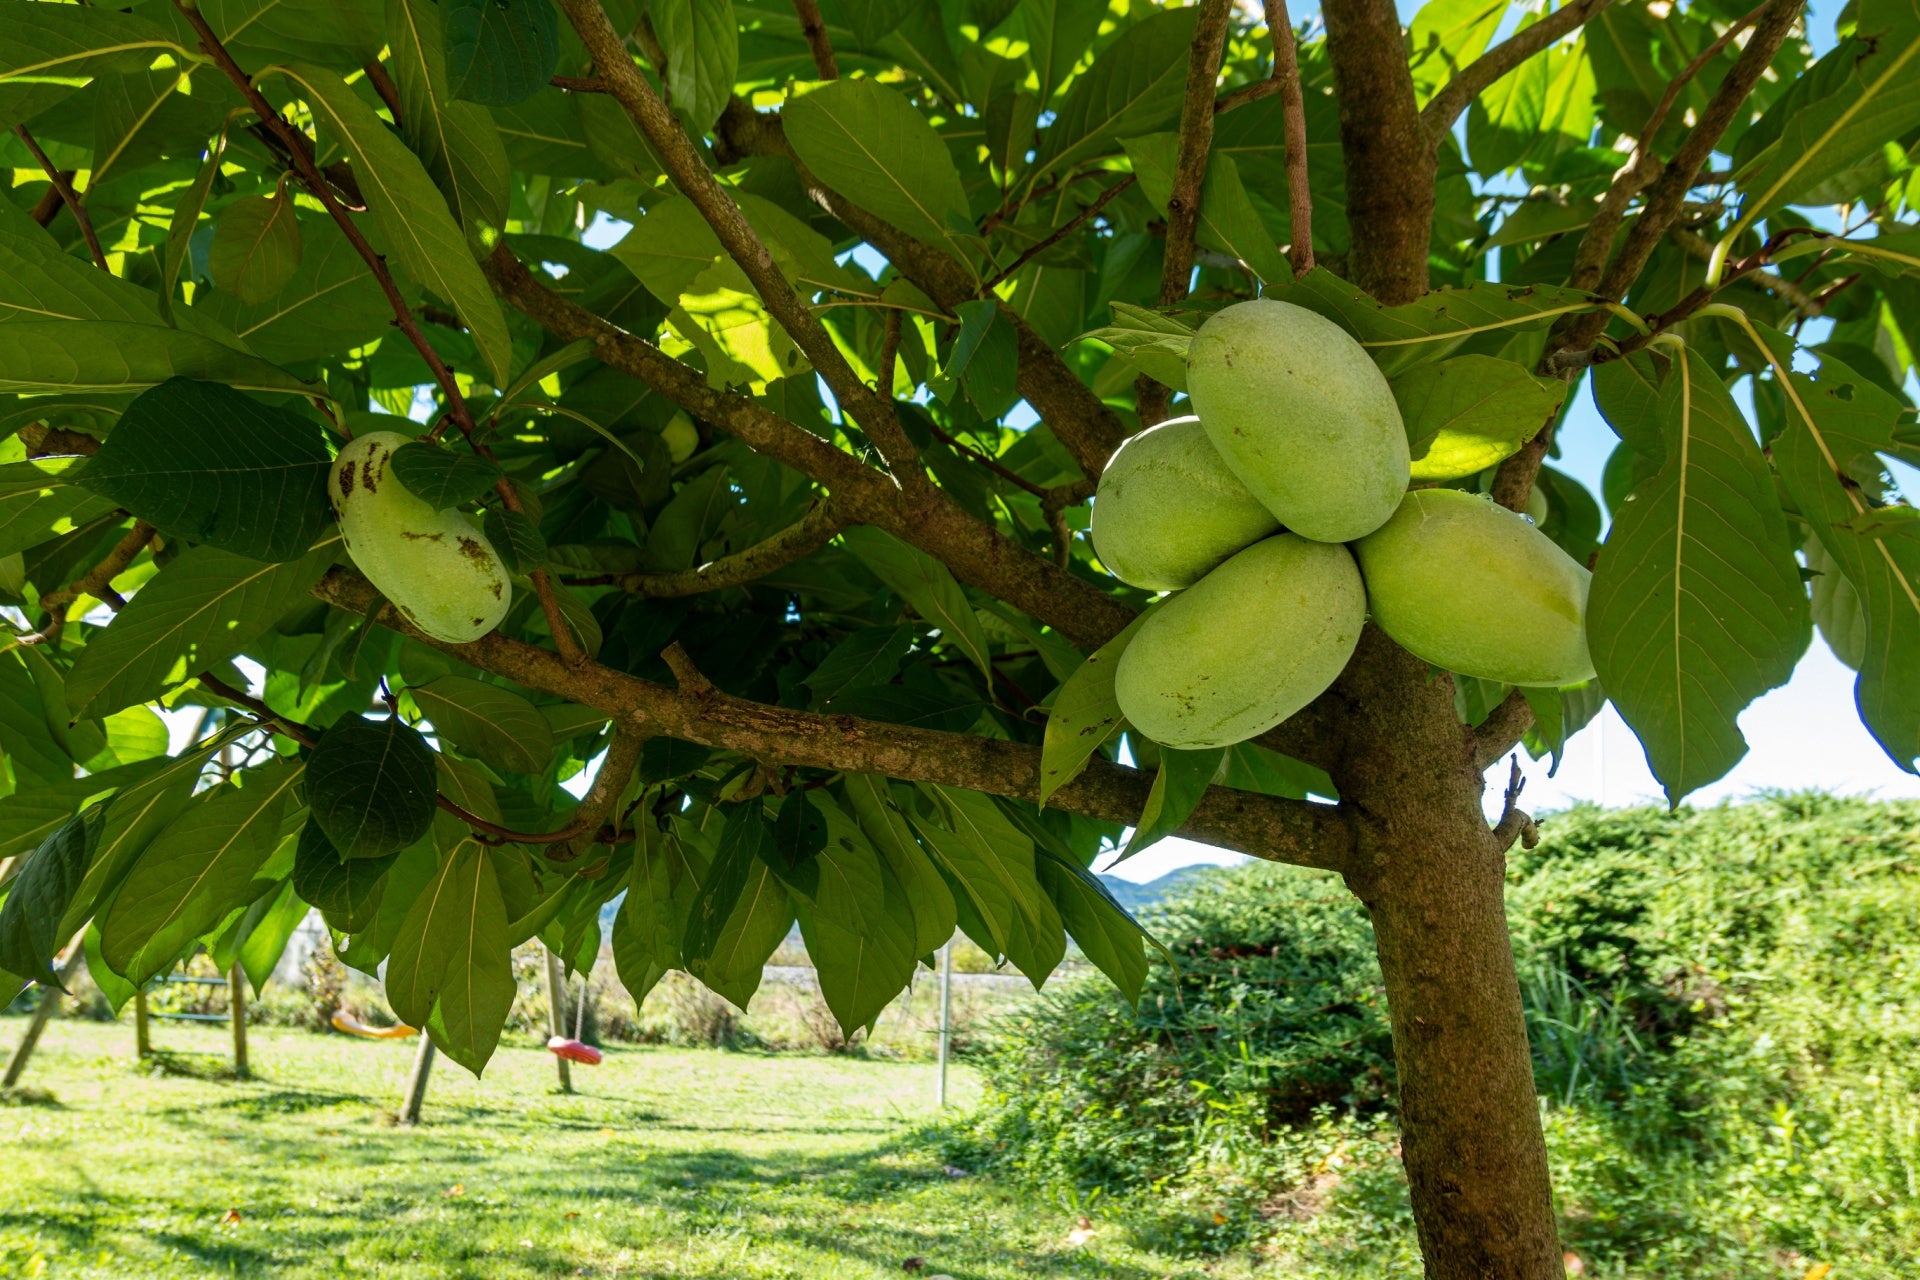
[142, 1034]
[417, 1082]
[49, 1001]
[946, 1021]
[557, 1011]
[237, 1009]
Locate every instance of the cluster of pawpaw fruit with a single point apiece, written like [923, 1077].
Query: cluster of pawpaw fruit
[435, 567]
[1281, 515]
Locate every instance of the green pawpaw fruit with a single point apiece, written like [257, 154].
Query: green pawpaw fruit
[1168, 510]
[1468, 585]
[439, 571]
[1245, 647]
[1302, 415]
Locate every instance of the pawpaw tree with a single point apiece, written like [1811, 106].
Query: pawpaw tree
[776, 350]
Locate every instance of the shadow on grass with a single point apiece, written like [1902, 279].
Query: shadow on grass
[27, 1096]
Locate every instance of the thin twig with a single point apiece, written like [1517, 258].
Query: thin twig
[798, 540]
[50, 201]
[579, 84]
[1060, 233]
[814, 28]
[67, 196]
[1286, 73]
[96, 582]
[384, 86]
[986, 460]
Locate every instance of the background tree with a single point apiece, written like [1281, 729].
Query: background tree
[795, 565]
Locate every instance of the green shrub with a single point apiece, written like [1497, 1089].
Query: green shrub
[1724, 1006]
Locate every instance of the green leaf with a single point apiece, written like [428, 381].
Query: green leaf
[443, 478]
[118, 991]
[202, 462]
[371, 786]
[857, 922]
[516, 538]
[1154, 344]
[200, 867]
[1227, 220]
[457, 141]
[1084, 714]
[256, 247]
[1466, 414]
[342, 34]
[200, 609]
[346, 890]
[648, 930]
[702, 40]
[186, 217]
[97, 355]
[31, 815]
[416, 867]
[928, 586]
[745, 842]
[868, 143]
[330, 306]
[1836, 607]
[1106, 934]
[451, 971]
[51, 50]
[42, 894]
[924, 705]
[761, 917]
[1134, 87]
[39, 500]
[500, 52]
[1177, 790]
[992, 862]
[29, 743]
[485, 720]
[265, 932]
[420, 234]
[1836, 423]
[868, 657]
[1057, 34]
[1445, 36]
[870, 21]
[1697, 606]
[928, 897]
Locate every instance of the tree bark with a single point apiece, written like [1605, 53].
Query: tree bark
[1431, 875]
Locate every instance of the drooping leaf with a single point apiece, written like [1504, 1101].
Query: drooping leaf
[371, 785]
[265, 931]
[857, 922]
[1101, 927]
[1468, 413]
[746, 840]
[203, 462]
[1177, 790]
[1154, 344]
[200, 609]
[331, 305]
[928, 897]
[499, 52]
[1697, 606]
[256, 247]
[702, 40]
[1134, 87]
[450, 971]
[197, 869]
[1084, 714]
[41, 896]
[761, 917]
[347, 891]
[648, 930]
[992, 862]
[485, 720]
[457, 141]
[420, 234]
[928, 586]
[40, 499]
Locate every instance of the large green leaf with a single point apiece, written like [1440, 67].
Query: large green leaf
[371, 785]
[858, 923]
[992, 861]
[1465, 414]
[928, 896]
[1837, 422]
[702, 40]
[1084, 714]
[1177, 790]
[1057, 34]
[331, 305]
[928, 586]
[265, 931]
[1154, 344]
[42, 894]
[868, 143]
[27, 739]
[419, 233]
[256, 247]
[39, 500]
[868, 657]
[341, 34]
[1101, 927]
[52, 49]
[485, 720]
[347, 891]
[32, 814]
[1697, 606]
[450, 970]
[440, 477]
[202, 462]
[500, 52]
[1227, 220]
[1445, 36]
[101, 355]
[197, 869]
[203, 607]
[458, 141]
[1135, 86]
[647, 932]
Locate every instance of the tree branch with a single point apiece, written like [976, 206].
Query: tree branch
[1479, 75]
[795, 542]
[1154, 399]
[1065, 229]
[1515, 823]
[813, 28]
[384, 86]
[64, 187]
[1286, 73]
[1388, 158]
[1281, 830]
[96, 582]
[623, 756]
[1502, 730]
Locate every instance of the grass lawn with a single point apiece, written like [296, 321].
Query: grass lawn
[668, 1163]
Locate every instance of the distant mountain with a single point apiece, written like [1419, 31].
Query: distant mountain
[1135, 895]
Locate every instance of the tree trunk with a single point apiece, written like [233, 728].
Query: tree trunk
[1431, 875]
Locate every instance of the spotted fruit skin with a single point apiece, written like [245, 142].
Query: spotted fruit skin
[1303, 417]
[1168, 509]
[436, 568]
[1468, 585]
[1245, 647]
